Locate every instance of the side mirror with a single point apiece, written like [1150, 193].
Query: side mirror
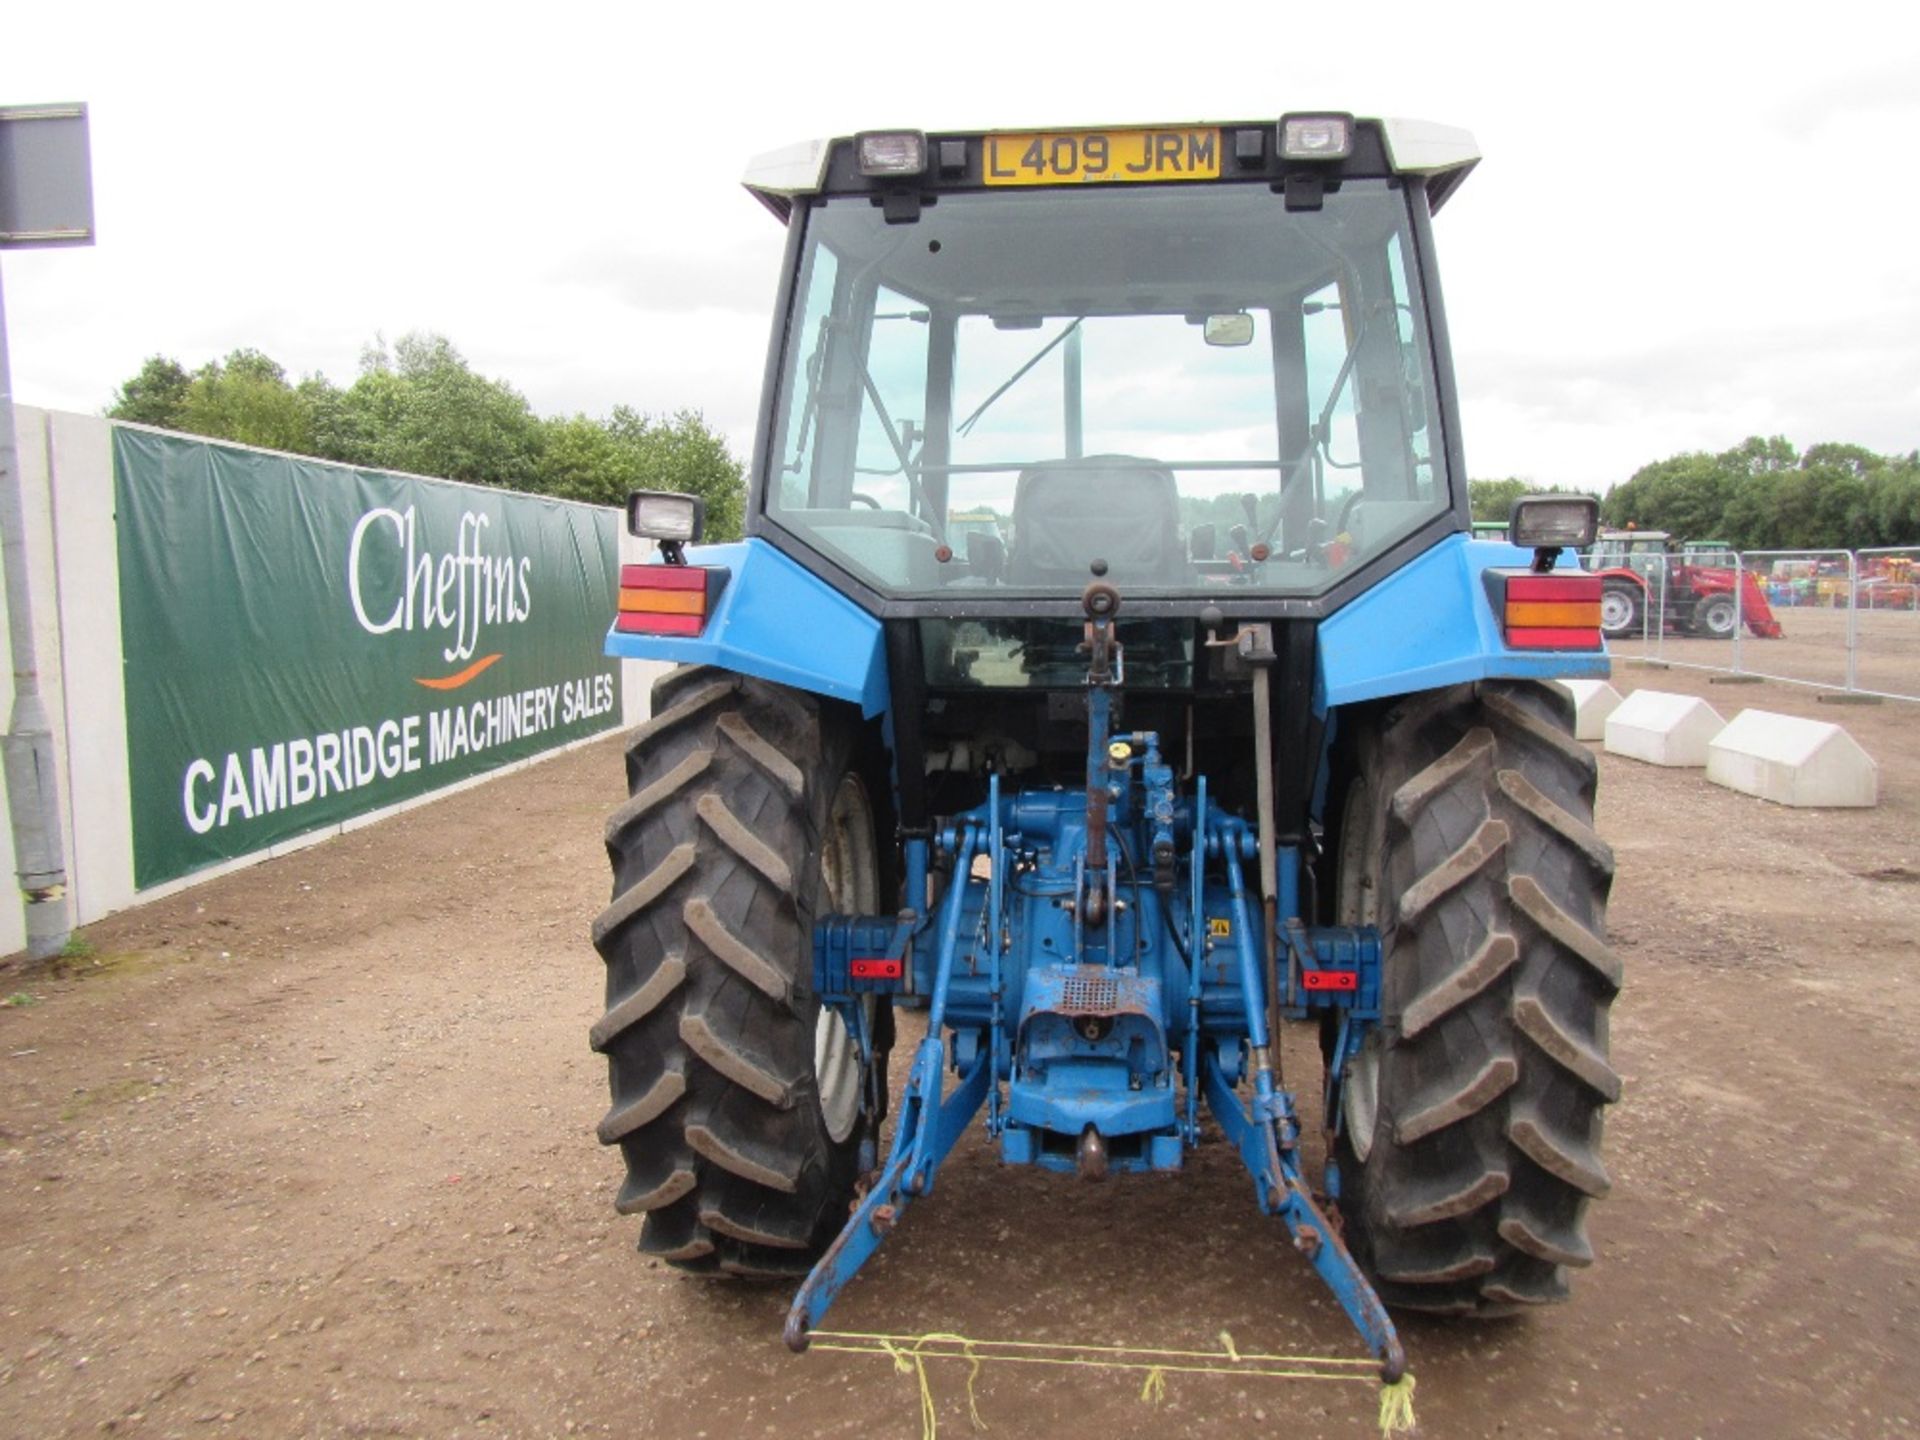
[986, 554]
[1200, 542]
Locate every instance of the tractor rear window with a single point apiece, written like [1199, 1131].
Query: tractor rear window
[1196, 387]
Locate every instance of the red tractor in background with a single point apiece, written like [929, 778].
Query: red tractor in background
[1646, 580]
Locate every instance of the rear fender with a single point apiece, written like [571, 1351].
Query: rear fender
[1431, 624]
[1620, 572]
[776, 621]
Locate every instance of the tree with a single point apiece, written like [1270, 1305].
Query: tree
[683, 454]
[582, 459]
[154, 396]
[1763, 495]
[1493, 499]
[430, 414]
[1686, 494]
[1896, 501]
[244, 398]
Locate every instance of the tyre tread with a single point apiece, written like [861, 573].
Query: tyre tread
[1492, 1053]
[708, 1028]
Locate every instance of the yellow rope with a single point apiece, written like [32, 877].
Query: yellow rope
[910, 1353]
[1228, 1350]
[1396, 1406]
[914, 1362]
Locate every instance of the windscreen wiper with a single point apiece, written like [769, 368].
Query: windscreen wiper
[1015, 378]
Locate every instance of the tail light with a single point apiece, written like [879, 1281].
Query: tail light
[667, 599]
[1555, 611]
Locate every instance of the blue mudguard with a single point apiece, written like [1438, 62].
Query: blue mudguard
[1431, 624]
[775, 621]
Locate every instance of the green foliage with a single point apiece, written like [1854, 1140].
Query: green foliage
[1493, 499]
[425, 411]
[154, 396]
[420, 407]
[246, 398]
[682, 454]
[1764, 495]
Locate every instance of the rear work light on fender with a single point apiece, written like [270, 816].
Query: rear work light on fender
[671, 599]
[1556, 611]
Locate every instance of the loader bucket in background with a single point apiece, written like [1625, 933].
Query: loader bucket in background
[1755, 610]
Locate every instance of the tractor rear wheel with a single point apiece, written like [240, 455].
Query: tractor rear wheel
[736, 1095]
[1469, 1142]
[1621, 604]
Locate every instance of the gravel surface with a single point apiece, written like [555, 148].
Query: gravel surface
[308, 1151]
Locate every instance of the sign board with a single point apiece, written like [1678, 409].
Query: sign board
[306, 642]
[46, 177]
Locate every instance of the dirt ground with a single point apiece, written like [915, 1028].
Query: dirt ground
[308, 1151]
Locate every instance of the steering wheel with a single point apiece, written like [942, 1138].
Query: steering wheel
[866, 499]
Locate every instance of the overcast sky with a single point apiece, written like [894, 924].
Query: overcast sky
[1693, 222]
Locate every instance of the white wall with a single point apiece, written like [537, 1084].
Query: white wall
[66, 468]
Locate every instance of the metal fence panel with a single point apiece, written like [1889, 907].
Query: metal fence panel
[1886, 617]
[1813, 645]
[1834, 619]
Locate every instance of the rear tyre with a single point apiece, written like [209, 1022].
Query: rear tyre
[1621, 603]
[1714, 617]
[1469, 1144]
[736, 1095]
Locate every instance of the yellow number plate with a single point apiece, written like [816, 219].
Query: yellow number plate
[1101, 157]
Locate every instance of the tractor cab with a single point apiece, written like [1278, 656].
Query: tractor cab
[1716, 553]
[1180, 352]
[1644, 552]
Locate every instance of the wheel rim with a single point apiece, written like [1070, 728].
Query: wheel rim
[847, 887]
[1359, 905]
[1360, 1098]
[1720, 619]
[1616, 610]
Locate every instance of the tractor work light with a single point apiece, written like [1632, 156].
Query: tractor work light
[891, 152]
[666, 516]
[1554, 522]
[1316, 137]
[667, 599]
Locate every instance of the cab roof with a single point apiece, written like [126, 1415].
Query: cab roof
[1443, 154]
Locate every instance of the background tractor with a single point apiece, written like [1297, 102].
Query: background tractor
[1231, 725]
[1648, 584]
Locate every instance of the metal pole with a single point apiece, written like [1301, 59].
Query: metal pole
[1739, 605]
[1853, 620]
[1659, 617]
[33, 795]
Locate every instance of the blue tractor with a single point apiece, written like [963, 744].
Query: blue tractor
[1226, 722]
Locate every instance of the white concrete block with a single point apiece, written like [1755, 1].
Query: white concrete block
[1663, 729]
[1593, 702]
[1792, 761]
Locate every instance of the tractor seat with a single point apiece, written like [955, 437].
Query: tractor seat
[1117, 508]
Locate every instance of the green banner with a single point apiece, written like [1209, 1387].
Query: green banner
[307, 642]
